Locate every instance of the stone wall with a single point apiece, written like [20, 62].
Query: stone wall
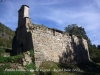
[49, 44]
[55, 45]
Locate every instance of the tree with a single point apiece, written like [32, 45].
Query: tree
[98, 47]
[78, 31]
[70, 28]
[94, 46]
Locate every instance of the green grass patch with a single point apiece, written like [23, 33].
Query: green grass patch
[16, 58]
[2, 50]
[30, 66]
[31, 52]
[58, 69]
[16, 73]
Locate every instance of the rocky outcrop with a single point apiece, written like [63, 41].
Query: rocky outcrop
[48, 44]
[27, 59]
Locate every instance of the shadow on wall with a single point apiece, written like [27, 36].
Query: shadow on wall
[21, 43]
[80, 58]
[75, 56]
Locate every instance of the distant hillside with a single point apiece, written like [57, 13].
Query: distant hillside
[6, 36]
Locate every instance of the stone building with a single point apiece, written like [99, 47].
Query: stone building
[48, 44]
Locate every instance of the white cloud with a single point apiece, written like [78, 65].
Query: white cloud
[97, 2]
[47, 2]
[87, 16]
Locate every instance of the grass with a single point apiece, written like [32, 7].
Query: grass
[16, 73]
[58, 69]
[31, 53]
[47, 67]
[6, 61]
[2, 50]
[30, 66]
[10, 59]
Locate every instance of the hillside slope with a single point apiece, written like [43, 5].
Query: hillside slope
[6, 36]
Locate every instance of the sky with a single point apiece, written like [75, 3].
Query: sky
[56, 14]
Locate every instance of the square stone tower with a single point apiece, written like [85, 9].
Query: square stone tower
[23, 13]
[21, 34]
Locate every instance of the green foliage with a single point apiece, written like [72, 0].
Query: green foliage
[31, 53]
[6, 36]
[7, 29]
[56, 68]
[4, 42]
[7, 65]
[14, 58]
[3, 59]
[28, 73]
[10, 59]
[52, 65]
[98, 47]
[30, 66]
[2, 50]
[13, 73]
[95, 54]
[78, 31]
[49, 65]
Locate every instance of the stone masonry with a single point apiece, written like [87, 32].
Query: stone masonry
[48, 44]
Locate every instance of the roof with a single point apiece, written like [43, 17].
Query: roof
[23, 6]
